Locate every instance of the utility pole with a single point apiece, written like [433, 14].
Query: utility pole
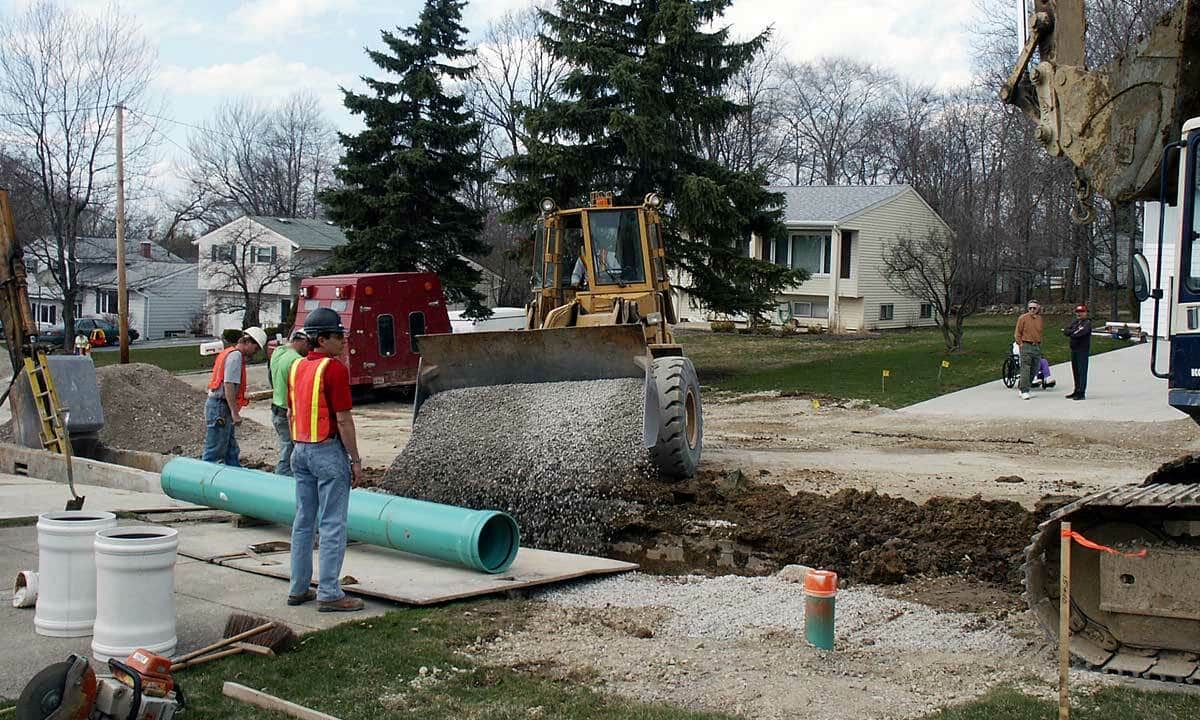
[122, 295]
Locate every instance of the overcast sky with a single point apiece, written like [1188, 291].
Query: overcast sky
[268, 49]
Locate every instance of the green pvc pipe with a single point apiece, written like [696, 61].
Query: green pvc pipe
[484, 540]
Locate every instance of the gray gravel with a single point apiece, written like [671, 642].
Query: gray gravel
[553, 455]
[733, 607]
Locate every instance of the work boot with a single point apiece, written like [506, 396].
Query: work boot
[1069, 397]
[346, 604]
[1077, 397]
[308, 596]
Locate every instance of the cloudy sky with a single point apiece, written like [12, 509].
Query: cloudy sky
[268, 49]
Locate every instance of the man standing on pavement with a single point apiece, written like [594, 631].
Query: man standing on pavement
[324, 460]
[1079, 334]
[1028, 337]
[278, 371]
[227, 397]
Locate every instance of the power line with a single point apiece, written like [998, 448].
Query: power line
[210, 131]
[63, 111]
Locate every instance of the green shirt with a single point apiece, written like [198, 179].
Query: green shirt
[281, 365]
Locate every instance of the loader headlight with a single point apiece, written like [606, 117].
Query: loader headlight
[547, 205]
[654, 200]
[653, 318]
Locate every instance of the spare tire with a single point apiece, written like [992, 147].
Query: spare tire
[681, 434]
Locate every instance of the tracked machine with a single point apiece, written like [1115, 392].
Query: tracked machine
[1129, 129]
[601, 310]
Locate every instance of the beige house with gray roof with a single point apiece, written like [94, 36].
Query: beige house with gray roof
[840, 234]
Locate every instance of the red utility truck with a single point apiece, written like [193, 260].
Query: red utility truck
[382, 313]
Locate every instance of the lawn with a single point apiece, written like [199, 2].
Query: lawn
[1110, 703]
[853, 366]
[174, 358]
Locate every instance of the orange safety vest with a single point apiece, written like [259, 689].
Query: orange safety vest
[218, 376]
[312, 421]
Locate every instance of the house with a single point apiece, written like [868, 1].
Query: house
[163, 299]
[270, 256]
[840, 234]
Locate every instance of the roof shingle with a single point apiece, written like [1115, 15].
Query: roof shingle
[832, 203]
[306, 233]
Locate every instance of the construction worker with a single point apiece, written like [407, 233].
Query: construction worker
[324, 460]
[277, 376]
[227, 397]
[1028, 335]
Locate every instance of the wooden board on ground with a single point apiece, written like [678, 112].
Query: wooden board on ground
[388, 574]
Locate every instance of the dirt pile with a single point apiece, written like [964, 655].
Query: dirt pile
[553, 455]
[720, 520]
[148, 409]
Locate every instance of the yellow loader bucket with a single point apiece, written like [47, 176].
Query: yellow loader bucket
[463, 360]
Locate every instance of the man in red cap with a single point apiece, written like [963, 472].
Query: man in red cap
[1079, 334]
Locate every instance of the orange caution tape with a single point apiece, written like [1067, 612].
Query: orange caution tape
[1097, 546]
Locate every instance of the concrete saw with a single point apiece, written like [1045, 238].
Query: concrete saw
[141, 688]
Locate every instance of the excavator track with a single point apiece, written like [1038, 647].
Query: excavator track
[1137, 617]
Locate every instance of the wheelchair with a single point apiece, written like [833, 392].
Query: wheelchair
[1010, 371]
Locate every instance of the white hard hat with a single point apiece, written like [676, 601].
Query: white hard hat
[259, 335]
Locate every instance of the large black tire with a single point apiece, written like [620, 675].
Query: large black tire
[681, 435]
[1008, 373]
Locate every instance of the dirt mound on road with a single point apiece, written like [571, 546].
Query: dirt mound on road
[147, 408]
[724, 523]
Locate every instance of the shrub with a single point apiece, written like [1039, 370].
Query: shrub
[722, 326]
[231, 335]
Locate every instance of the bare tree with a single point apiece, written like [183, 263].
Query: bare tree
[261, 160]
[249, 266]
[62, 76]
[758, 136]
[956, 276]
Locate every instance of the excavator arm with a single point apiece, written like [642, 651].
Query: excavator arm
[1111, 122]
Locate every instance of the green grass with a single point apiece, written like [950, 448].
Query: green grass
[1110, 703]
[852, 366]
[364, 669]
[174, 358]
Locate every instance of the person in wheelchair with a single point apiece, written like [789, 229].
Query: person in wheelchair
[1012, 370]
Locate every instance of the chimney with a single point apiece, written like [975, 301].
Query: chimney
[145, 247]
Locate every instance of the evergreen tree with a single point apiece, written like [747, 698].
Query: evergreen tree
[644, 93]
[403, 175]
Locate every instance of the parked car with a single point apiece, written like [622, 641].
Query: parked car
[87, 325]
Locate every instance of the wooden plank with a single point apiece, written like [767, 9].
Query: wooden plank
[391, 574]
[270, 702]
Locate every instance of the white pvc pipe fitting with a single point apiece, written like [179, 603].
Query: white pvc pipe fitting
[135, 591]
[25, 588]
[66, 604]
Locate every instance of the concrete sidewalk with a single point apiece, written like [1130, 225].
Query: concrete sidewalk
[1120, 388]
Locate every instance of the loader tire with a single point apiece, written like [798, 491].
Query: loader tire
[681, 436]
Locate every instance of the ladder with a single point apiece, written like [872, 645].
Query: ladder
[52, 416]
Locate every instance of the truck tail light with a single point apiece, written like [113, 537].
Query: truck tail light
[343, 291]
[428, 286]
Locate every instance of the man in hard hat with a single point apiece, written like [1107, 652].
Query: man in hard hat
[278, 371]
[1028, 336]
[324, 460]
[227, 397]
[1079, 335]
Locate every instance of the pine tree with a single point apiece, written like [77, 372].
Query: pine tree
[644, 94]
[402, 177]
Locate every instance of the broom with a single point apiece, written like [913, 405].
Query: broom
[243, 633]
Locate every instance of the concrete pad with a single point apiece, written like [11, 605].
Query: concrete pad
[1120, 388]
[24, 497]
[391, 574]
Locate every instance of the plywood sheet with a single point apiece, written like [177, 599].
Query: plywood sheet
[390, 574]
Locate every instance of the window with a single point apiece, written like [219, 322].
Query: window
[616, 247]
[844, 261]
[779, 251]
[926, 311]
[570, 239]
[812, 253]
[264, 254]
[887, 312]
[106, 302]
[285, 309]
[387, 335]
[222, 253]
[45, 313]
[802, 309]
[744, 246]
[31, 266]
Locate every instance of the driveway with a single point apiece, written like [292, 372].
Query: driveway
[1120, 387]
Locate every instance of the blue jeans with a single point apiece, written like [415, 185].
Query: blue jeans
[220, 445]
[322, 492]
[280, 423]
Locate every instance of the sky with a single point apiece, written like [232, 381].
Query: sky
[267, 49]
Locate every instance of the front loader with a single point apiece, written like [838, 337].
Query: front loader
[601, 310]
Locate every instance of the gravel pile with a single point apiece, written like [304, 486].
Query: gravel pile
[556, 456]
[732, 607]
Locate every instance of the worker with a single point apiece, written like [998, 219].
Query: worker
[1079, 335]
[325, 461]
[82, 345]
[1028, 335]
[278, 369]
[227, 397]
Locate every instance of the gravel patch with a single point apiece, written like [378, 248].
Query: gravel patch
[553, 455]
[732, 607]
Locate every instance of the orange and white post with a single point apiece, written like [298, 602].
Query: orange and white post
[1064, 621]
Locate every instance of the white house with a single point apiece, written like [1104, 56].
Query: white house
[839, 234]
[272, 255]
[163, 299]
